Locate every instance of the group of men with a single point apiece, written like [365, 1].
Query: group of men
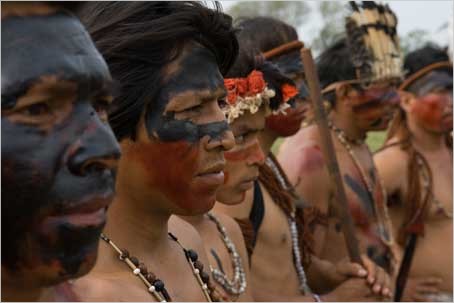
[146, 170]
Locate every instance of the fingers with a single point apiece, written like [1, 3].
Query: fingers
[380, 280]
[352, 270]
[371, 268]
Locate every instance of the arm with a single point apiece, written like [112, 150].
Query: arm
[313, 185]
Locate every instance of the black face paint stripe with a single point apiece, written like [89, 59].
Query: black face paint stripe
[173, 130]
[361, 192]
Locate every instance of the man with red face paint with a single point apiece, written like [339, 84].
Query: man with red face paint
[58, 151]
[169, 58]
[362, 94]
[416, 167]
[267, 214]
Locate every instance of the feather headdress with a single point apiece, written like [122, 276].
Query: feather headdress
[373, 42]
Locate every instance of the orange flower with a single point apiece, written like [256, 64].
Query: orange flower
[288, 92]
[256, 82]
[241, 86]
[229, 84]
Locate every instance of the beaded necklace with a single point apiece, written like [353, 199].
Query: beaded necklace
[381, 212]
[238, 284]
[303, 286]
[426, 184]
[155, 286]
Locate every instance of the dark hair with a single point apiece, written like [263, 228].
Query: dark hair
[254, 38]
[265, 33]
[423, 57]
[139, 38]
[333, 65]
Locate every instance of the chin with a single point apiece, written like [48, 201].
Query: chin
[201, 205]
[234, 198]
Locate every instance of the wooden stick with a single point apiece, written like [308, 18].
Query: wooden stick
[330, 156]
[404, 269]
[284, 48]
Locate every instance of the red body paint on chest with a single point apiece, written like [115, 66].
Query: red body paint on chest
[171, 169]
[252, 153]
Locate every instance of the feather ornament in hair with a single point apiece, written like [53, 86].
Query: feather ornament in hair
[373, 42]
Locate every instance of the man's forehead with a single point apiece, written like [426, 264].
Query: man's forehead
[47, 45]
[196, 69]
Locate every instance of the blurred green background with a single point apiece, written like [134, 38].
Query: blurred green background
[374, 139]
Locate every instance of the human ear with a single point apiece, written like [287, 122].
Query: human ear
[406, 99]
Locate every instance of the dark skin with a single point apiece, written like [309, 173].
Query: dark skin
[174, 166]
[58, 152]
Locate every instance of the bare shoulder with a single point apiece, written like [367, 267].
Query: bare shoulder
[391, 158]
[231, 226]
[304, 160]
[392, 163]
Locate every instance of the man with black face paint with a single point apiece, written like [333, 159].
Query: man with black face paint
[416, 167]
[58, 151]
[169, 58]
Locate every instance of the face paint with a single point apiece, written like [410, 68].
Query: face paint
[57, 154]
[243, 161]
[242, 169]
[197, 71]
[289, 124]
[374, 107]
[177, 162]
[250, 153]
[433, 111]
[170, 168]
[434, 80]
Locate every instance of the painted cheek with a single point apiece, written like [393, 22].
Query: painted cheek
[429, 111]
[251, 153]
[170, 169]
[285, 125]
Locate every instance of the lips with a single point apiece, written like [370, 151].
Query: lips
[90, 211]
[214, 175]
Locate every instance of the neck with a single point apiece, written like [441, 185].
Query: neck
[135, 225]
[424, 140]
[17, 293]
[346, 124]
[267, 139]
[194, 220]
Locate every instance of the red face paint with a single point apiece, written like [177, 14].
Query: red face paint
[241, 169]
[171, 169]
[289, 124]
[434, 112]
[251, 153]
[375, 106]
